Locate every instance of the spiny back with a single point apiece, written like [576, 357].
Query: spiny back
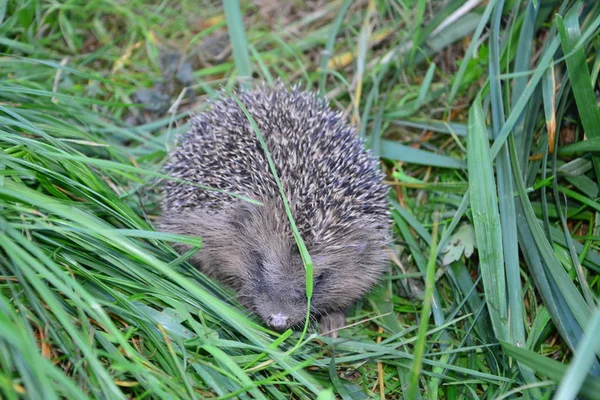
[331, 181]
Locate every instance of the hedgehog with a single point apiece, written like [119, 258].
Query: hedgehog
[335, 190]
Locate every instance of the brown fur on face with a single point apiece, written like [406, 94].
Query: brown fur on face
[251, 248]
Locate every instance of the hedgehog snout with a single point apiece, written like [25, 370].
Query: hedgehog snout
[278, 321]
[276, 311]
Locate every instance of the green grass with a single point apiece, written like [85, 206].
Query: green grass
[486, 119]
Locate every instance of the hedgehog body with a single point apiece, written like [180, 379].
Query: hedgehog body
[335, 190]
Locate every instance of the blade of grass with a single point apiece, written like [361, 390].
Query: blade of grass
[400, 152]
[328, 51]
[589, 145]
[522, 65]
[486, 220]
[579, 74]
[418, 32]
[585, 355]
[506, 206]
[237, 38]
[363, 40]
[528, 91]
[415, 373]
[404, 222]
[475, 40]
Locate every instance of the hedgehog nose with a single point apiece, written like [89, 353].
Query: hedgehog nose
[278, 321]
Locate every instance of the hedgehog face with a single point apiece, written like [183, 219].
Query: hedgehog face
[274, 286]
[279, 299]
[346, 264]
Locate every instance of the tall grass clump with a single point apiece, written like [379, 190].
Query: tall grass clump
[485, 116]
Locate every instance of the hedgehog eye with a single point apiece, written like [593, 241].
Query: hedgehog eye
[317, 280]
